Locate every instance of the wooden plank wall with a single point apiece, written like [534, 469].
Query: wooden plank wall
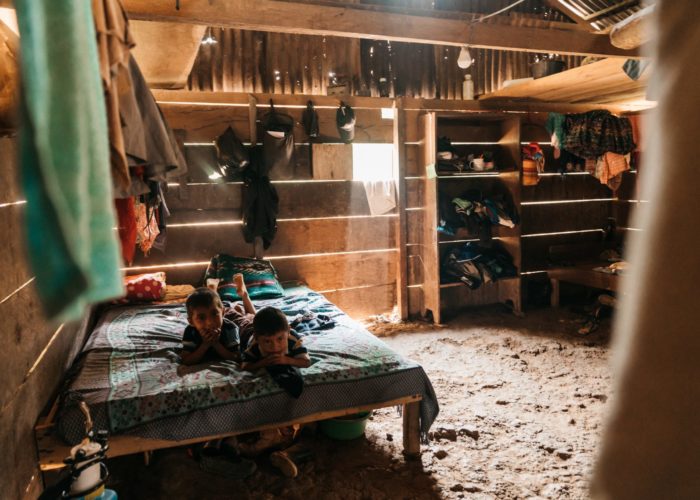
[34, 354]
[326, 237]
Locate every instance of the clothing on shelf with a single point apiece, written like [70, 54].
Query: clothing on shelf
[555, 126]
[474, 265]
[476, 213]
[64, 159]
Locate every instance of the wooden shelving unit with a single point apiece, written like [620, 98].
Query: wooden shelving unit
[476, 133]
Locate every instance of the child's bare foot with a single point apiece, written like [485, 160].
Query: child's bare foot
[239, 284]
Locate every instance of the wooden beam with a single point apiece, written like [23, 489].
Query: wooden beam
[634, 31]
[309, 19]
[166, 65]
[402, 230]
[177, 98]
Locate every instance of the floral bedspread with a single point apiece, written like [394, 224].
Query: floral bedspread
[131, 363]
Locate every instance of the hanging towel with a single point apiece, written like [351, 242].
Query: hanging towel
[381, 196]
[65, 160]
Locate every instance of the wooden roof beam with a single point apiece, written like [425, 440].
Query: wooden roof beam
[310, 19]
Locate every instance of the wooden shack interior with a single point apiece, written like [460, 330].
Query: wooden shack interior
[362, 221]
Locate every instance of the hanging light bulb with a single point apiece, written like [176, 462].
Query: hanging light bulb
[209, 39]
[465, 58]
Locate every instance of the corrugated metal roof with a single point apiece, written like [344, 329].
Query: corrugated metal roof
[602, 14]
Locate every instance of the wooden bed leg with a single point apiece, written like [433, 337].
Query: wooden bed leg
[411, 430]
[554, 297]
[147, 455]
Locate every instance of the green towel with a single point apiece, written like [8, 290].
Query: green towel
[64, 159]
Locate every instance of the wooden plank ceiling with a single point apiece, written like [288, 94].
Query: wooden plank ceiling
[600, 82]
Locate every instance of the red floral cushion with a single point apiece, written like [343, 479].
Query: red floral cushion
[145, 287]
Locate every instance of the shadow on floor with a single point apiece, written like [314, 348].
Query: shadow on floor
[339, 470]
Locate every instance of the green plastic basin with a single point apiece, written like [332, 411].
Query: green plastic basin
[345, 428]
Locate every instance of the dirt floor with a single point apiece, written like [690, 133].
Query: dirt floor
[521, 410]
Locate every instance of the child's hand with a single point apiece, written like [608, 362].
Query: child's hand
[239, 284]
[277, 359]
[211, 336]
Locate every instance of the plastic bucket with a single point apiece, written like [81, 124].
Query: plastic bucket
[345, 428]
[530, 174]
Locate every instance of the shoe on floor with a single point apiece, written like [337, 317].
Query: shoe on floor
[281, 461]
[239, 468]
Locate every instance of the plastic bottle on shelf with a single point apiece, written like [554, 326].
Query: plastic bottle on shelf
[468, 88]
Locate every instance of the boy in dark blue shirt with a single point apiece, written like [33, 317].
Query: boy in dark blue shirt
[208, 330]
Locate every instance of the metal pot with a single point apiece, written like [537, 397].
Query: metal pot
[546, 68]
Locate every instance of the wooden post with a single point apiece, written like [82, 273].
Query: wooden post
[554, 297]
[402, 230]
[411, 430]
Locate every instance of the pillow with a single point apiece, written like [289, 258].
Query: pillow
[259, 276]
[145, 287]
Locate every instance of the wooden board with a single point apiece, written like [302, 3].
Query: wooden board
[538, 219]
[294, 237]
[332, 161]
[602, 82]
[566, 187]
[204, 123]
[297, 199]
[15, 271]
[535, 251]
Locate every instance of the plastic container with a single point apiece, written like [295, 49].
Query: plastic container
[468, 88]
[345, 428]
[546, 68]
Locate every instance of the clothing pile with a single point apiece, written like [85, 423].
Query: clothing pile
[477, 213]
[603, 140]
[474, 264]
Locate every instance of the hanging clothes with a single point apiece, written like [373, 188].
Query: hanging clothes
[126, 227]
[148, 140]
[114, 44]
[597, 132]
[381, 196]
[260, 204]
[65, 160]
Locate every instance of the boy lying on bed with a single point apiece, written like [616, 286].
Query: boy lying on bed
[273, 345]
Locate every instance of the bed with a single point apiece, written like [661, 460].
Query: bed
[128, 373]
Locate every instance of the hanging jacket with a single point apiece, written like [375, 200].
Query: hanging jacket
[260, 205]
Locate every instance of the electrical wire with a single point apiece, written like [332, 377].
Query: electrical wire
[499, 11]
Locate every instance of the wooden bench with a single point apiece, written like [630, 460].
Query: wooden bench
[584, 259]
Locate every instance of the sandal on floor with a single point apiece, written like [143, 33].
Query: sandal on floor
[588, 327]
[281, 461]
[222, 465]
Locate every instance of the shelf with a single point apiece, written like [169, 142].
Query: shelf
[472, 175]
[459, 283]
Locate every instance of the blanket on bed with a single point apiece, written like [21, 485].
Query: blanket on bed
[132, 360]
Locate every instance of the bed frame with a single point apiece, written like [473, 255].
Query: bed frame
[52, 450]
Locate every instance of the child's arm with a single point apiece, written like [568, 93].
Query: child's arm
[194, 357]
[252, 366]
[283, 359]
[242, 292]
[225, 353]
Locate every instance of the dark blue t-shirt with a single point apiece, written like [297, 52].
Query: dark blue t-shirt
[191, 339]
